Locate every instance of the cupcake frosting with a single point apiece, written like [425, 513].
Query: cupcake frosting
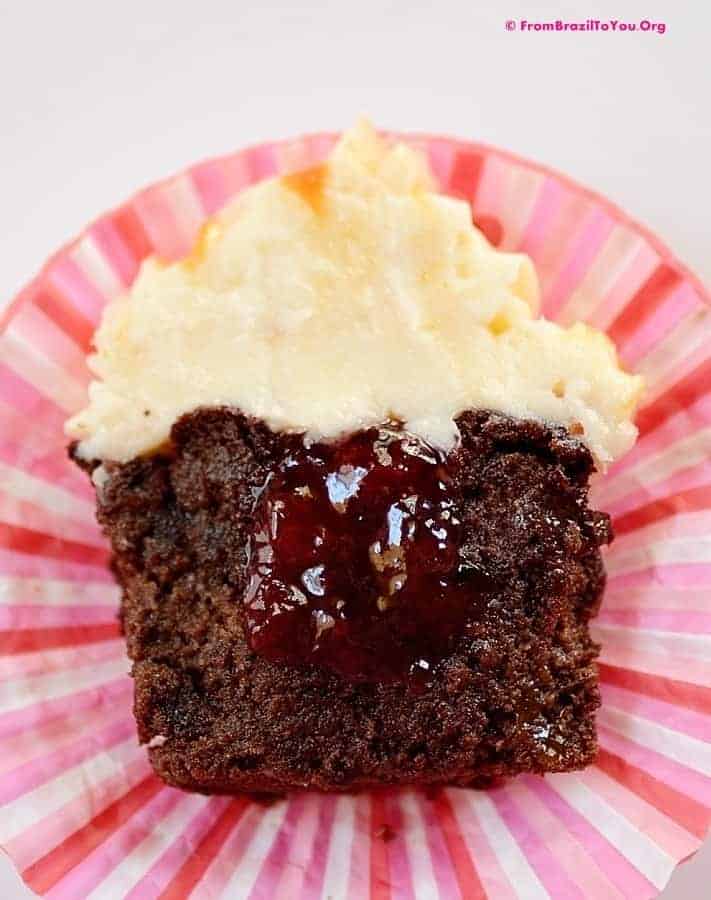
[330, 300]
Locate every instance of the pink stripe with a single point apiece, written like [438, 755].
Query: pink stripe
[648, 820]
[578, 863]
[278, 854]
[631, 279]
[681, 778]
[42, 663]
[445, 876]
[658, 620]
[26, 565]
[674, 576]
[37, 743]
[678, 363]
[616, 867]
[559, 238]
[227, 861]
[515, 208]
[549, 201]
[647, 541]
[34, 616]
[24, 514]
[96, 268]
[56, 469]
[290, 880]
[359, 869]
[685, 343]
[616, 652]
[671, 716]
[611, 260]
[37, 713]
[315, 872]
[656, 598]
[580, 257]
[552, 876]
[692, 524]
[21, 395]
[695, 476]
[682, 480]
[493, 878]
[657, 326]
[115, 250]
[262, 162]
[43, 438]
[160, 223]
[38, 330]
[184, 201]
[440, 154]
[162, 871]
[399, 864]
[104, 858]
[674, 429]
[210, 185]
[494, 184]
[47, 833]
[30, 775]
[41, 595]
[236, 173]
[74, 285]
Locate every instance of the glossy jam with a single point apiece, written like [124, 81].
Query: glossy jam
[354, 559]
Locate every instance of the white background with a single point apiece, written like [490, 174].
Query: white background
[94, 105]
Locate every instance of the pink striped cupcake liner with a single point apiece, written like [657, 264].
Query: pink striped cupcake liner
[83, 815]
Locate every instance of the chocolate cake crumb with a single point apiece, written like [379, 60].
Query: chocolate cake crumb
[517, 693]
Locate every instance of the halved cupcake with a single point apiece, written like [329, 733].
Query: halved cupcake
[343, 467]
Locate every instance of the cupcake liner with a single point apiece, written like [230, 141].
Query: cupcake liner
[83, 815]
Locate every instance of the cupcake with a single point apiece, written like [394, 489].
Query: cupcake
[343, 465]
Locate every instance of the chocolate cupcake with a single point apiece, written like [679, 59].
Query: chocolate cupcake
[343, 467]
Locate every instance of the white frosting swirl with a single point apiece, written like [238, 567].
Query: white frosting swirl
[334, 299]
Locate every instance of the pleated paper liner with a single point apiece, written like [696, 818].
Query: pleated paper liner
[83, 815]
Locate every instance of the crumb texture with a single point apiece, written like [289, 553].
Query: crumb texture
[517, 693]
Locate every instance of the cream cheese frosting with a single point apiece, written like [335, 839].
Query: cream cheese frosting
[334, 299]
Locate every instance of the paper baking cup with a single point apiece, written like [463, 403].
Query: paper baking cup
[83, 814]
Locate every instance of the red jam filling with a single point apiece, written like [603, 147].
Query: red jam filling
[354, 559]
